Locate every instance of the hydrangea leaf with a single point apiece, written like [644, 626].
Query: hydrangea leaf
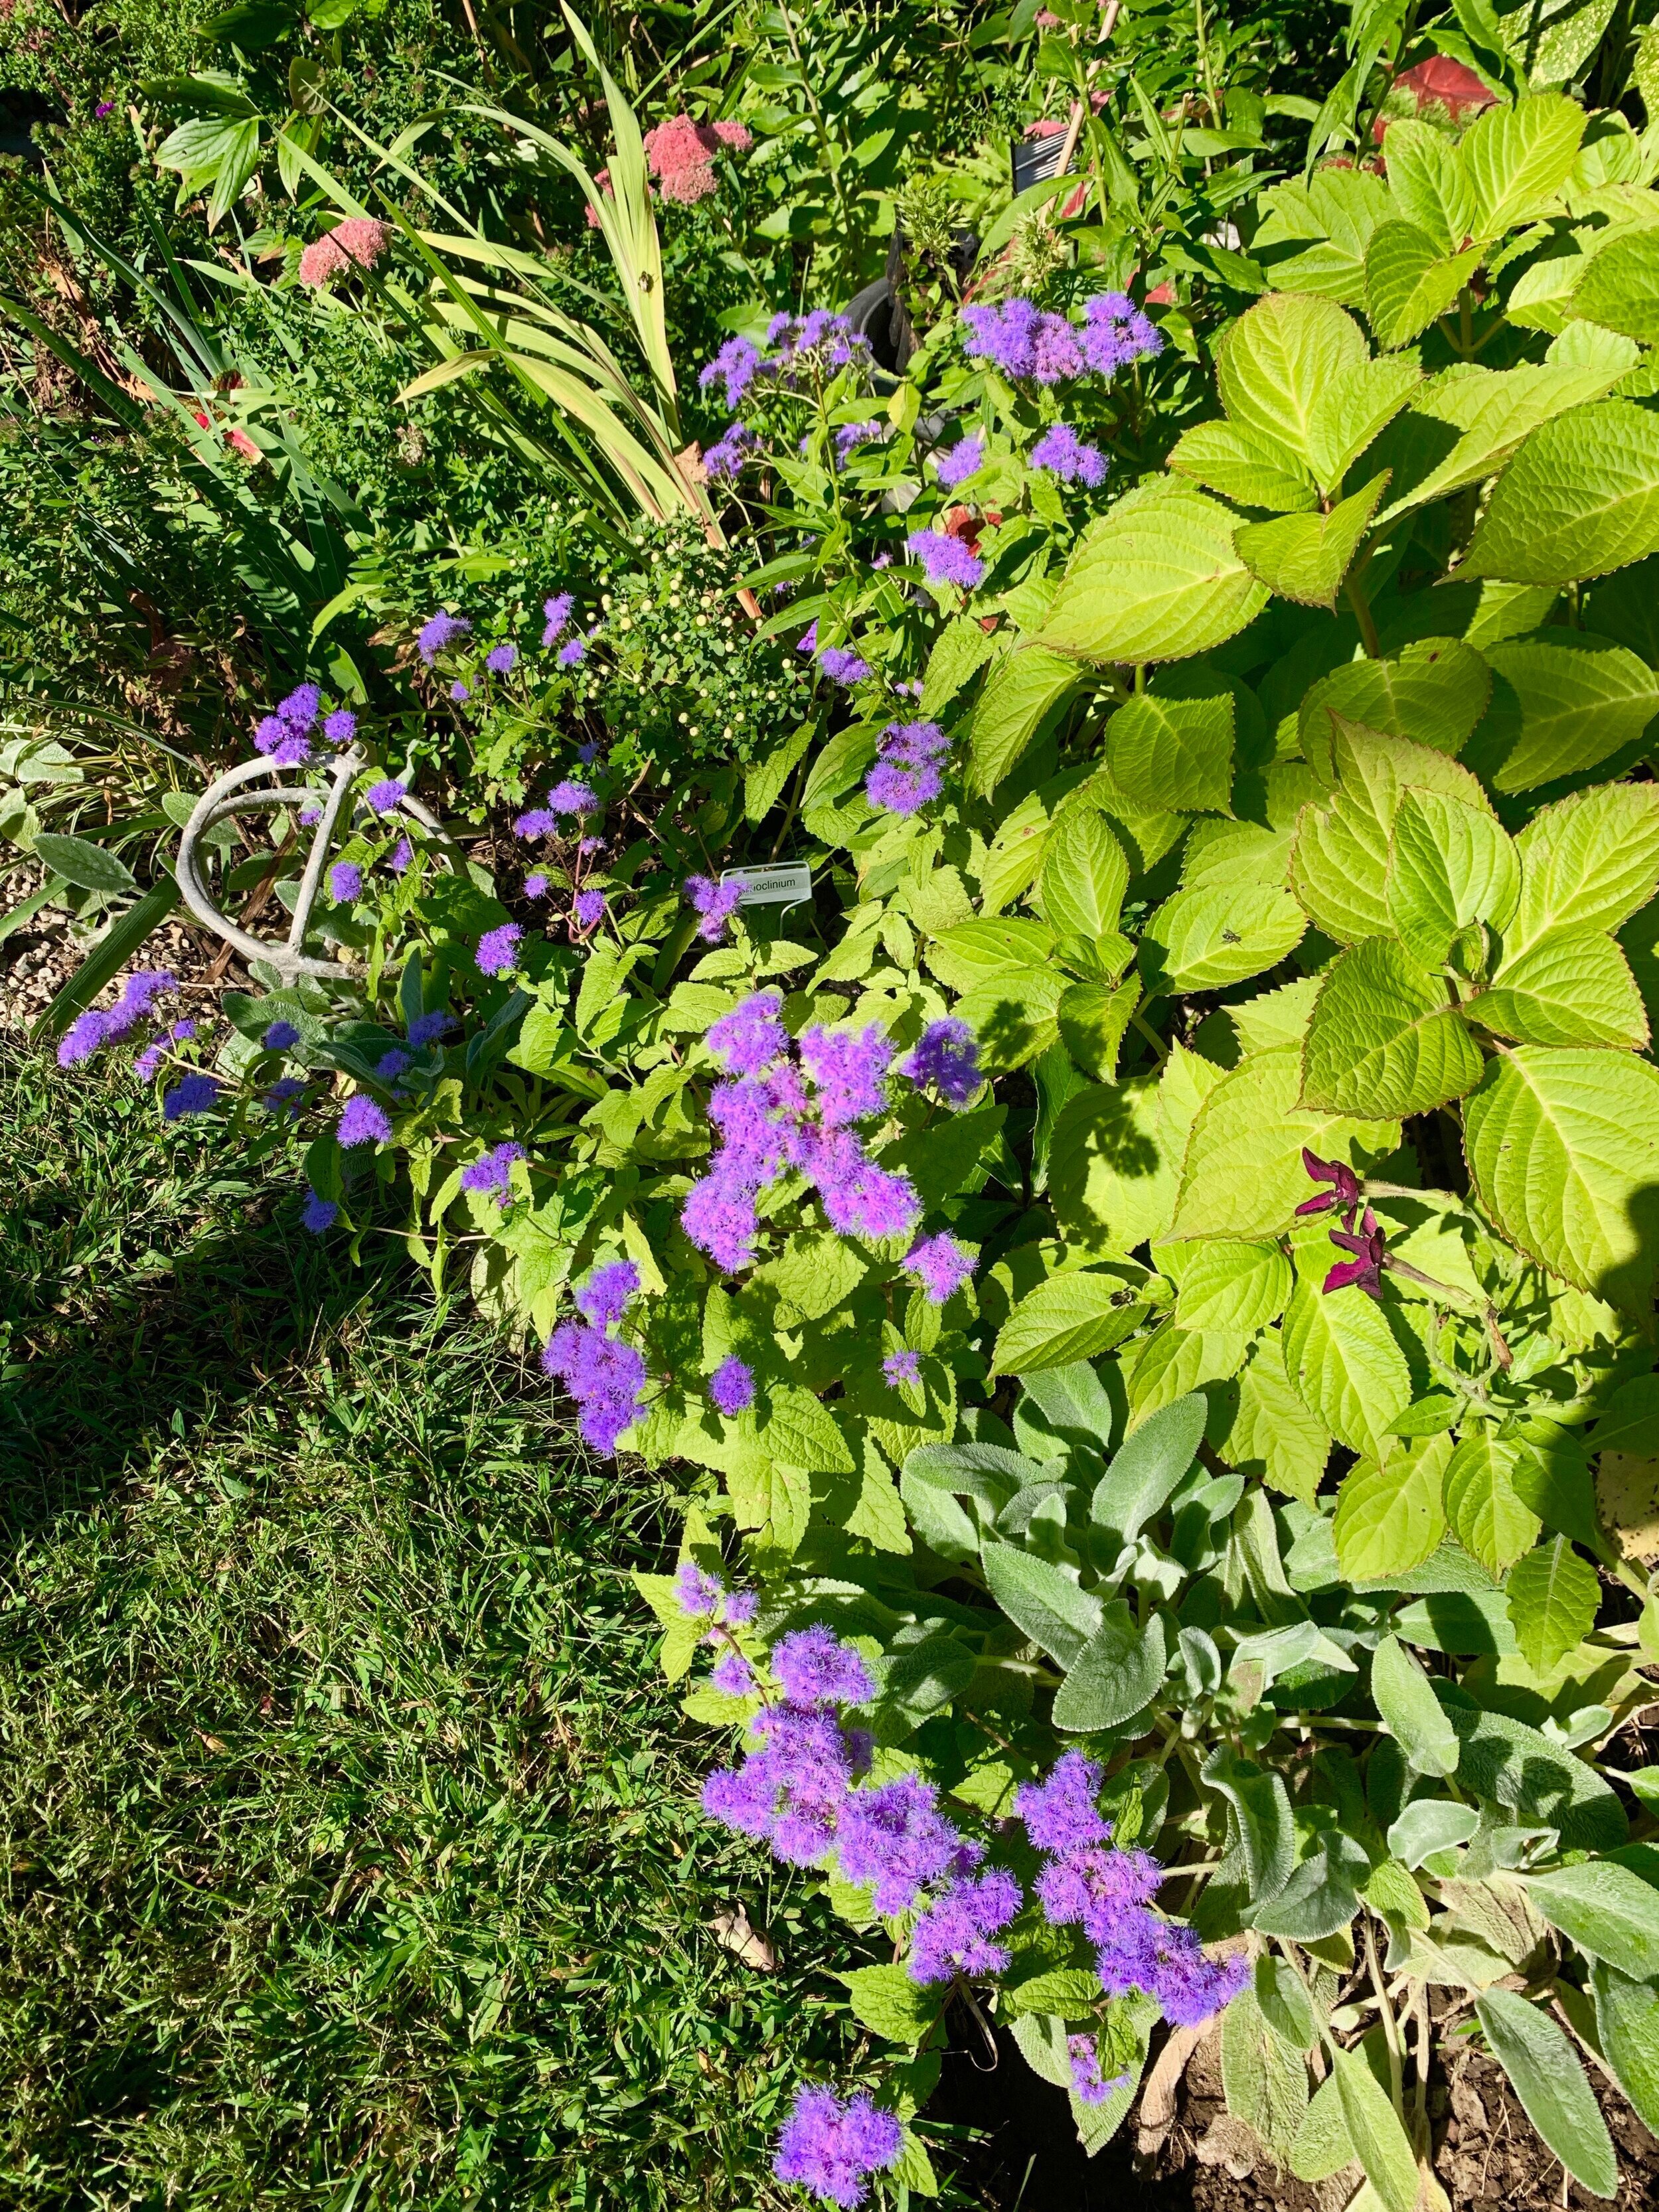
[1158, 579]
[1305, 557]
[1562, 703]
[1246, 465]
[1487, 1518]
[1167, 752]
[1580, 499]
[1384, 1039]
[1389, 1516]
[1277, 361]
[1572, 988]
[1243, 1175]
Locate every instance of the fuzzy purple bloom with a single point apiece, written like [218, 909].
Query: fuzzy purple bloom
[195, 1094]
[90, 1032]
[557, 610]
[570, 797]
[280, 1035]
[603, 1299]
[536, 884]
[605, 1376]
[902, 791]
[282, 745]
[1063, 454]
[902, 1367]
[729, 455]
[895, 1839]
[493, 1172]
[281, 1094]
[363, 1121]
[715, 903]
[940, 1265]
[830, 2147]
[1116, 332]
[719, 1216]
[953, 1936]
[425, 1028]
[850, 1069]
[460, 693]
[964, 459]
[859, 1198]
[384, 796]
[808, 640]
[946, 1056]
[731, 1388]
[341, 726]
[946, 560]
[572, 653]
[842, 665]
[816, 1668]
[732, 1675]
[1091, 2087]
[498, 950]
[346, 882]
[751, 1037]
[1061, 1813]
[590, 908]
[501, 659]
[320, 1214]
[298, 710]
[793, 1790]
[734, 368]
[400, 856]
[441, 630]
[536, 822]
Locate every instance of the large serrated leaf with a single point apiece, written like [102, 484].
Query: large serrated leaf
[1340, 1354]
[1516, 160]
[1019, 696]
[1572, 988]
[1175, 752]
[1214, 933]
[1279, 357]
[1580, 499]
[1429, 184]
[1074, 1315]
[1563, 702]
[1410, 280]
[1355, 407]
[1388, 1516]
[1084, 877]
[1434, 692]
[1588, 862]
[1158, 579]
[1487, 1515]
[1305, 557]
[1383, 1040]
[1243, 1175]
[1245, 465]
[1449, 865]
[1462, 425]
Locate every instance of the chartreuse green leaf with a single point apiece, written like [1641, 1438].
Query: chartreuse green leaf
[1116, 1673]
[1275, 361]
[1354, 407]
[1449, 865]
[1340, 1355]
[1264, 2077]
[1430, 186]
[1462, 426]
[1158, 579]
[1376, 2130]
[1274, 1433]
[1588, 862]
[1243, 1175]
[1224, 1284]
[1389, 1517]
[1092, 1019]
[975, 952]
[1305, 557]
[1339, 868]
[1384, 1039]
[1564, 1149]
[1516, 160]
[1434, 693]
[1084, 875]
[1552, 1594]
[1175, 752]
[1074, 1315]
[1619, 290]
[1485, 1515]
[1546, 2074]
[1246, 465]
[1019, 696]
[886, 2001]
[1580, 499]
[1606, 1910]
[1410, 280]
[960, 651]
[1627, 2024]
[1411, 1711]
[1572, 988]
[1562, 703]
[1214, 933]
[1014, 1014]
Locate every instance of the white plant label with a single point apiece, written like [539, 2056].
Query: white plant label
[785, 886]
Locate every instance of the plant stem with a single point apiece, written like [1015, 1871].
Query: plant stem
[1362, 614]
[1390, 2026]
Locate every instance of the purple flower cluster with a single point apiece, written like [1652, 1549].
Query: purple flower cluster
[730, 454]
[769, 1122]
[715, 903]
[702, 1597]
[946, 560]
[498, 950]
[363, 1121]
[734, 368]
[906, 775]
[426, 1029]
[280, 1035]
[1091, 2087]
[90, 1032]
[319, 1214]
[902, 1367]
[895, 1839]
[852, 435]
[346, 882]
[953, 1936]
[605, 1376]
[830, 2147]
[731, 1388]
[1116, 332]
[1063, 454]
[790, 1791]
[147, 1065]
[947, 1057]
[386, 795]
[493, 1173]
[501, 659]
[940, 1265]
[1023, 343]
[195, 1094]
[557, 611]
[964, 459]
[1087, 1880]
[590, 909]
[842, 665]
[437, 634]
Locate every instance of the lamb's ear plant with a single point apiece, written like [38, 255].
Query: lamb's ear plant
[1143, 1267]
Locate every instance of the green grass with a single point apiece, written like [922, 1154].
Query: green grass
[348, 1850]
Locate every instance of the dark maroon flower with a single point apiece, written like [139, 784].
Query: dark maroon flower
[1370, 1248]
[1343, 1198]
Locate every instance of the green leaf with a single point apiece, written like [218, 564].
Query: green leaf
[1176, 752]
[974, 952]
[1355, 407]
[886, 2001]
[1538, 1784]
[1379, 2139]
[1322, 1893]
[1068, 1992]
[798, 1429]
[79, 861]
[1158, 579]
[1410, 280]
[1434, 692]
[1172, 1362]
[1627, 2024]
[1041, 1601]
[1116, 1673]
[1449, 865]
[1246, 465]
[1572, 988]
[1589, 862]
[1042, 2044]
[1580, 498]
[1092, 1019]
[1606, 1910]
[1015, 1016]
[1226, 1284]
[1282, 1996]
[816, 1272]
[111, 953]
[1217, 933]
[1275, 362]
[1429, 1825]
[1389, 1516]
[1305, 557]
[1020, 695]
[1564, 1149]
[1074, 1315]
[1410, 1710]
[1148, 1466]
[1261, 1812]
[1085, 876]
[1274, 1434]
[1264, 2078]
[1342, 1357]
[1429, 184]
[1563, 703]
[1546, 2074]
[1384, 1039]
[1621, 288]
[1485, 1514]
[1322, 2147]
[960, 651]
[1243, 1175]
[1516, 160]
[1464, 423]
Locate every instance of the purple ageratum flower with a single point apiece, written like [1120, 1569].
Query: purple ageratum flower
[536, 822]
[148, 1062]
[1105, 1890]
[902, 791]
[104, 107]
[940, 1265]
[572, 798]
[588, 753]
[842, 665]
[1060, 1814]
[195, 1094]
[946, 1056]
[557, 611]
[731, 1388]
[384, 796]
[1063, 454]
[425, 1028]
[281, 1094]
[346, 882]
[493, 1172]
[363, 1122]
[895, 1839]
[851, 435]
[282, 745]
[964, 459]
[859, 1198]
[1091, 2086]
[603, 1299]
[572, 653]
[400, 856]
[902, 1367]
[280, 1035]
[808, 640]
[1166, 1959]
[298, 710]
[953, 1936]
[816, 1668]
[501, 659]
[320, 1214]
[698, 1593]
[590, 908]
[719, 1218]
[90, 1032]
[793, 1789]
[1005, 335]
[1116, 332]
[498, 950]
[830, 2147]
[460, 693]
[751, 1037]
[732, 1675]
[715, 903]
[946, 560]
[1057, 354]
[605, 1376]
[341, 726]
[734, 368]
[536, 884]
[310, 816]
[850, 1069]
[729, 455]
[441, 631]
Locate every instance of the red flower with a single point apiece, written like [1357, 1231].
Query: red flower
[1343, 1198]
[1370, 1248]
